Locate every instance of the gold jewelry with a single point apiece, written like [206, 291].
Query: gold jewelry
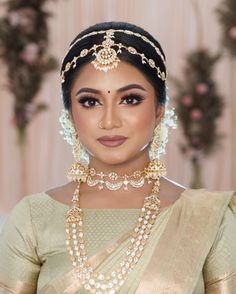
[92, 280]
[106, 56]
[100, 125]
[155, 144]
[115, 181]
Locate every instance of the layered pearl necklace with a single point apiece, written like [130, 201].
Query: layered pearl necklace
[92, 280]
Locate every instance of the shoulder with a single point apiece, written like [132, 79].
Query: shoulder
[214, 208]
[24, 205]
[33, 207]
[62, 194]
[206, 197]
[29, 201]
[221, 260]
[170, 191]
[20, 220]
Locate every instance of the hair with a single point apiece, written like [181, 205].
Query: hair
[119, 37]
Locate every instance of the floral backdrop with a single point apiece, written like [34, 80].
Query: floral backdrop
[24, 39]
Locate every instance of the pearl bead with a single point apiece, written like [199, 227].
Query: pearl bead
[111, 283]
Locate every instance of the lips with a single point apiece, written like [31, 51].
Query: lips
[112, 141]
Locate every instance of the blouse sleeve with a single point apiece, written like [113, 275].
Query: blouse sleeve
[220, 266]
[19, 262]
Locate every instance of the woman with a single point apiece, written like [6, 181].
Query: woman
[129, 229]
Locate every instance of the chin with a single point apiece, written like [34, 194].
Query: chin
[113, 160]
[116, 158]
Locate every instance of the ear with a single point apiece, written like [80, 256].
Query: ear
[160, 111]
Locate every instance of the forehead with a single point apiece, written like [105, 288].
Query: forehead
[113, 79]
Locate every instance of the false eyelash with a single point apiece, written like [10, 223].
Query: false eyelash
[138, 97]
[82, 100]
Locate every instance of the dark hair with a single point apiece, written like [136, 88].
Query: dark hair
[119, 37]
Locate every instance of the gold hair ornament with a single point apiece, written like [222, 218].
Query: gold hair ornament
[106, 55]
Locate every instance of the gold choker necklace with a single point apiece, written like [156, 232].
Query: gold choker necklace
[93, 281]
[113, 181]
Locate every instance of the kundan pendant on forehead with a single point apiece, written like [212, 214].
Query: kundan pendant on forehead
[106, 58]
[106, 53]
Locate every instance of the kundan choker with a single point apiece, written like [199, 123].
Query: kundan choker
[96, 282]
[112, 180]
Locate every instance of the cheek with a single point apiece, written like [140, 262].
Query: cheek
[143, 122]
[80, 116]
[85, 123]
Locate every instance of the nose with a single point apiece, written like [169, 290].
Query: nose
[110, 118]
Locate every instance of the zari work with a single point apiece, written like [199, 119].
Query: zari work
[34, 258]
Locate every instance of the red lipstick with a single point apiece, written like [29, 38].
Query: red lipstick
[112, 141]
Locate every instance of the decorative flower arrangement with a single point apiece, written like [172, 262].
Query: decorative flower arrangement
[227, 16]
[198, 108]
[23, 48]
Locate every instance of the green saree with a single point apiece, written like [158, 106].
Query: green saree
[192, 248]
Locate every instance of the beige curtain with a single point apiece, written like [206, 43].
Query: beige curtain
[173, 23]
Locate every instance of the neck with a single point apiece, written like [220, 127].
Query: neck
[138, 162]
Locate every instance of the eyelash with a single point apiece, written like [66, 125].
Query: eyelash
[136, 97]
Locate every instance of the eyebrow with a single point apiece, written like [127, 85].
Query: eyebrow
[122, 89]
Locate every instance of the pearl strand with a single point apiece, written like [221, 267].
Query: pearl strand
[96, 282]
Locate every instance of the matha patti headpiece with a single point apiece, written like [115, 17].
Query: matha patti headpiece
[106, 54]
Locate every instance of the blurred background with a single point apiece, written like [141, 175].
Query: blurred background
[199, 40]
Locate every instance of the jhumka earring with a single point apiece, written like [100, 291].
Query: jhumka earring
[154, 153]
[155, 144]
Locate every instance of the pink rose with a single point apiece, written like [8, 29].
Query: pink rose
[202, 88]
[196, 114]
[232, 32]
[30, 53]
[187, 100]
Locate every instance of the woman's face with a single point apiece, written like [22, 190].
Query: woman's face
[120, 102]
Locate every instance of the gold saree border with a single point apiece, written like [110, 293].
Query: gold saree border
[17, 287]
[224, 284]
[69, 283]
[196, 217]
[191, 230]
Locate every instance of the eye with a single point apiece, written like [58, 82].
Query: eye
[89, 102]
[132, 99]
